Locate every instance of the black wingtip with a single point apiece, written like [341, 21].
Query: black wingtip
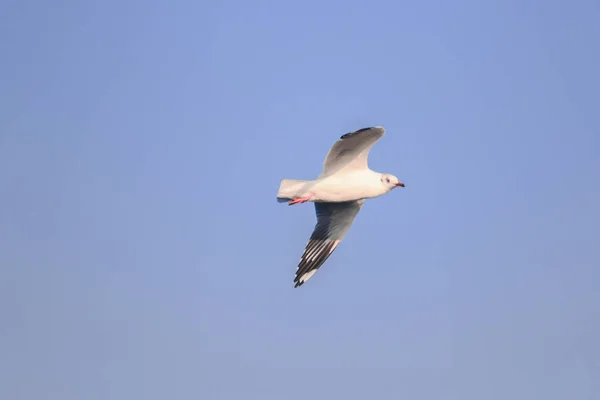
[356, 132]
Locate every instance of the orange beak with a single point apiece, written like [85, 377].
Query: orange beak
[400, 184]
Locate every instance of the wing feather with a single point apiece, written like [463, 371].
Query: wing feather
[351, 151]
[333, 222]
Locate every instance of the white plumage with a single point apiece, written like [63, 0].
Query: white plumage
[338, 193]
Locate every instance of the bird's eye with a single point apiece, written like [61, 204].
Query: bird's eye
[387, 180]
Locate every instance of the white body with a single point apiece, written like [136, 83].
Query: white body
[355, 185]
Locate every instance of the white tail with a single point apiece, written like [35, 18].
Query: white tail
[290, 188]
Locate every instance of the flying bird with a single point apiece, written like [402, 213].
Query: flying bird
[338, 193]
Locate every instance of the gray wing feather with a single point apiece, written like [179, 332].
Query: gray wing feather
[333, 222]
[352, 150]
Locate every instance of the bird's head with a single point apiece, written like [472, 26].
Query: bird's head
[390, 181]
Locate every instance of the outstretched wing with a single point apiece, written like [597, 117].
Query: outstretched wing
[351, 152]
[333, 222]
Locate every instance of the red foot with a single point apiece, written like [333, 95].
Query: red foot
[298, 200]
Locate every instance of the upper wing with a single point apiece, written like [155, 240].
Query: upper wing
[333, 222]
[351, 151]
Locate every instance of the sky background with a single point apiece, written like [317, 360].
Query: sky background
[143, 254]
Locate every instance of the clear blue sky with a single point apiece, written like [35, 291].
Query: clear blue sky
[143, 254]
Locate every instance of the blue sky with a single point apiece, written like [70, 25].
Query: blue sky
[143, 254]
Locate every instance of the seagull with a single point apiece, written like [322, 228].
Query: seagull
[338, 193]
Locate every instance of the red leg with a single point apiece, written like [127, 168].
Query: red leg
[298, 200]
